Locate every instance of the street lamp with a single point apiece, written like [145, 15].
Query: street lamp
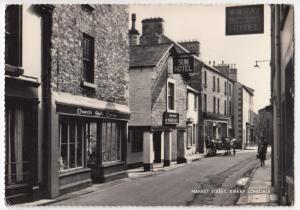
[260, 61]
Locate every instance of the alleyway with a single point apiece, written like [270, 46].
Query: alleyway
[175, 187]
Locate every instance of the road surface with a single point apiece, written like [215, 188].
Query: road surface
[191, 184]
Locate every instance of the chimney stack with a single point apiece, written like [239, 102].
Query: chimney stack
[133, 33]
[152, 31]
[192, 46]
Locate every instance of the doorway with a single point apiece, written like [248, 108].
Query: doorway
[157, 146]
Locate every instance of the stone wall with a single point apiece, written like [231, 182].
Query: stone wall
[108, 25]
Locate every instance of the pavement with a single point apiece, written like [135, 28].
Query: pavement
[177, 185]
[258, 190]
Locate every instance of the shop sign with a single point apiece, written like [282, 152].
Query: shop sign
[183, 64]
[90, 112]
[245, 20]
[170, 118]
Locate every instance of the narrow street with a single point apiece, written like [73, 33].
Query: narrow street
[175, 187]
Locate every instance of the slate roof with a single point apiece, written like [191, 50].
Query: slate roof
[147, 55]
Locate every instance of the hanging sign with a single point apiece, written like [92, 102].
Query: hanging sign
[170, 118]
[183, 64]
[245, 20]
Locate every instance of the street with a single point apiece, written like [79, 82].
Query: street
[174, 187]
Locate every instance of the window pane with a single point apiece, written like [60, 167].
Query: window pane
[119, 142]
[72, 155]
[64, 156]
[103, 138]
[114, 142]
[108, 142]
[92, 143]
[64, 131]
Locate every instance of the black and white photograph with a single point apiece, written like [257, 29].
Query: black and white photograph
[120, 105]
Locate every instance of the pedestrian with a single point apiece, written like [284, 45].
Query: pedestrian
[262, 150]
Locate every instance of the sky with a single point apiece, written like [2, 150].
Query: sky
[206, 23]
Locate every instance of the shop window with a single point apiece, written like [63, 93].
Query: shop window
[189, 136]
[171, 96]
[13, 35]
[111, 141]
[136, 137]
[16, 161]
[88, 58]
[72, 135]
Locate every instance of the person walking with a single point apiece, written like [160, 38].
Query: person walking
[262, 150]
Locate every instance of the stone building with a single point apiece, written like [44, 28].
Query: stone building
[282, 100]
[66, 97]
[88, 96]
[164, 119]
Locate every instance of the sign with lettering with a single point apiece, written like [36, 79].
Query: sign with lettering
[245, 20]
[90, 112]
[170, 118]
[183, 64]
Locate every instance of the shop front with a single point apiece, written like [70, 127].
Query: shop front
[92, 138]
[21, 140]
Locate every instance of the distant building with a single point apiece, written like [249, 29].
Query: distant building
[243, 114]
[264, 125]
[256, 128]
[217, 102]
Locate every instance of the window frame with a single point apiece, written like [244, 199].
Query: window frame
[89, 76]
[225, 107]
[13, 48]
[214, 103]
[196, 102]
[83, 142]
[214, 83]
[218, 105]
[173, 108]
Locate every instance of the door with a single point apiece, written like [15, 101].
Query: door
[157, 146]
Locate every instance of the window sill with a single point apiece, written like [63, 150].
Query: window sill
[171, 110]
[70, 172]
[114, 163]
[13, 70]
[88, 85]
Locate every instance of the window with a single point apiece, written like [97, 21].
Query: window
[229, 89]
[205, 102]
[13, 35]
[136, 137]
[189, 136]
[214, 99]
[225, 108]
[205, 79]
[111, 141]
[225, 87]
[218, 84]
[214, 83]
[88, 58]
[16, 161]
[72, 134]
[218, 105]
[171, 95]
[230, 107]
[195, 133]
[195, 102]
